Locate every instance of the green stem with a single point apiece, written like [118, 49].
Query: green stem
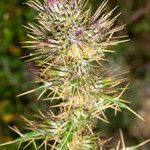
[68, 136]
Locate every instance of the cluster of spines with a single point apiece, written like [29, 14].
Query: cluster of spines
[68, 47]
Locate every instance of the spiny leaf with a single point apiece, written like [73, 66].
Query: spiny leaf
[26, 137]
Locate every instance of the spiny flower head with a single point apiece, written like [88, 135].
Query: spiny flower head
[68, 47]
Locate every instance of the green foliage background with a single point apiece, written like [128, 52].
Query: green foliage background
[15, 74]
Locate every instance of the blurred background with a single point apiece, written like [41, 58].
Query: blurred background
[16, 77]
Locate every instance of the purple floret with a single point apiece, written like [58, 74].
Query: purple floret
[52, 1]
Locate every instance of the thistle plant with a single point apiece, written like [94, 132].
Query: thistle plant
[68, 46]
